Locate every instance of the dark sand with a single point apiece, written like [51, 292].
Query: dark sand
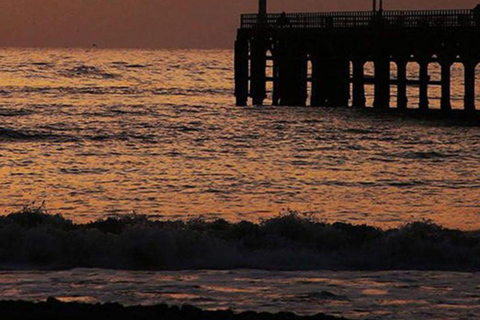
[54, 309]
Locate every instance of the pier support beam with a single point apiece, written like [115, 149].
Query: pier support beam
[358, 90]
[424, 79]
[469, 100]
[382, 83]
[258, 71]
[293, 75]
[402, 99]
[241, 72]
[445, 103]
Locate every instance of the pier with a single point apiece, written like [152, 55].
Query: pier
[321, 57]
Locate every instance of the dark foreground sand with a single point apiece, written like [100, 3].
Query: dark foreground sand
[54, 309]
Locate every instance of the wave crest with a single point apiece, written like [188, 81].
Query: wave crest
[35, 239]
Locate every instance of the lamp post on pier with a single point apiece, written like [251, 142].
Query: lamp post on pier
[262, 11]
[375, 6]
[262, 7]
[258, 57]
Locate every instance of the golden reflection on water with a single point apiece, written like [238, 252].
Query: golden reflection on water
[97, 133]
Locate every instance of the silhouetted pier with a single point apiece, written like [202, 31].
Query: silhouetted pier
[338, 45]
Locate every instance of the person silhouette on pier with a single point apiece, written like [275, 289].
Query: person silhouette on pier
[283, 21]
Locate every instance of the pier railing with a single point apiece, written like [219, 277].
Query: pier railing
[362, 19]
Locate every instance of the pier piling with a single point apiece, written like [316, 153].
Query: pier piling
[424, 79]
[319, 82]
[469, 100]
[446, 67]
[382, 83]
[241, 72]
[338, 82]
[358, 88]
[402, 99]
[292, 74]
[258, 71]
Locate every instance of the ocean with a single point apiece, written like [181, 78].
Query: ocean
[95, 134]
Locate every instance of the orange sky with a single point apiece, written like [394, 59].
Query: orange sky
[154, 23]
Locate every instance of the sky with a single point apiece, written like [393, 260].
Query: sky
[156, 23]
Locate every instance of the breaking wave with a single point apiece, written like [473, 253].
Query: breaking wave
[34, 239]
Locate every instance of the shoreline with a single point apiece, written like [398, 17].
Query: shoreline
[357, 295]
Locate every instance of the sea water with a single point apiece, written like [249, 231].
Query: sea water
[99, 133]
